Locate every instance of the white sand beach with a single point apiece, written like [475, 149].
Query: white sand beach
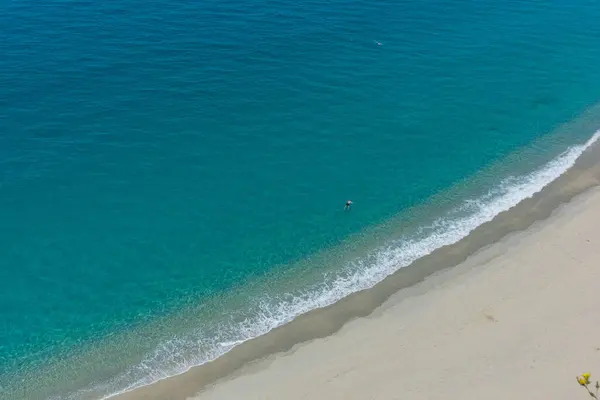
[518, 320]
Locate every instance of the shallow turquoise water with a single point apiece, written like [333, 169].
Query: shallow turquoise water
[155, 156]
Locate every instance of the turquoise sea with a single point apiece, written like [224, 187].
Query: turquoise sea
[173, 174]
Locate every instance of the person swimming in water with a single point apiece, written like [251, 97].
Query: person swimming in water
[348, 205]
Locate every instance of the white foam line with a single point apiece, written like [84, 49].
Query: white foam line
[171, 358]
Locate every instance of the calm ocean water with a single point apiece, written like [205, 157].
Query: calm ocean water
[173, 174]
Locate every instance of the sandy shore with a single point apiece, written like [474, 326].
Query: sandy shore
[510, 311]
[518, 319]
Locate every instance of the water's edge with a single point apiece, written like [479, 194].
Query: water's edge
[582, 175]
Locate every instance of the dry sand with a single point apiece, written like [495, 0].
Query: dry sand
[518, 319]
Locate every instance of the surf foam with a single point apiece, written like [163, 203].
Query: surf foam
[175, 356]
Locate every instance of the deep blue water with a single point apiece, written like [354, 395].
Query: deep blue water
[157, 158]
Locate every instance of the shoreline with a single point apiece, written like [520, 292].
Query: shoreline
[325, 322]
[515, 320]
